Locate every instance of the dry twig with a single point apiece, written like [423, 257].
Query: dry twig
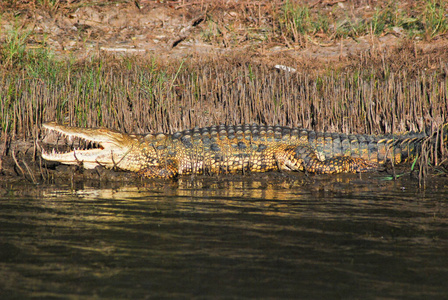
[185, 32]
[16, 162]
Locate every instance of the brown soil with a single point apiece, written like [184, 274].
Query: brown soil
[82, 29]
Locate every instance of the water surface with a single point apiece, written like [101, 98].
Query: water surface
[230, 237]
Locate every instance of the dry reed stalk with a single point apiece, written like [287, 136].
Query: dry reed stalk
[5, 149]
[203, 92]
[33, 179]
[16, 162]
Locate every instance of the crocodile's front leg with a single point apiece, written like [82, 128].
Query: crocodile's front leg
[166, 170]
[303, 158]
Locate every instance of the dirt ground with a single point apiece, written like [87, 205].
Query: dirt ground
[80, 29]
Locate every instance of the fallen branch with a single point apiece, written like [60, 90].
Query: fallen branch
[185, 32]
[121, 49]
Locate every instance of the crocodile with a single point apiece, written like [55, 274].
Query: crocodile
[235, 149]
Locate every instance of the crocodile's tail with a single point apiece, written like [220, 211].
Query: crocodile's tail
[409, 148]
[402, 149]
[378, 149]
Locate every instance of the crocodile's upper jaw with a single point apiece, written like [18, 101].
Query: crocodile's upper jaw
[113, 147]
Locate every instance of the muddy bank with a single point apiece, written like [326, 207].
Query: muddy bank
[21, 164]
[164, 66]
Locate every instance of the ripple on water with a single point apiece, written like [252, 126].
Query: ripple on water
[317, 236]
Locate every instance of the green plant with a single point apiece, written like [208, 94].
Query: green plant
[51, 5]
[298, 20]
[13, 51]
[382, 20]
[434, 18]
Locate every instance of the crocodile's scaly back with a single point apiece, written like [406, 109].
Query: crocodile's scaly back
[229, 149]
[248, 148]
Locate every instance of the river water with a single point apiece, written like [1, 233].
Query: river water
[314, 237]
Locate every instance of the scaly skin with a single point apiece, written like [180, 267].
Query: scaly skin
[233, 149]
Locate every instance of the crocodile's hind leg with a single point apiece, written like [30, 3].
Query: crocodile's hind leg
[303, 158]
[164, 170]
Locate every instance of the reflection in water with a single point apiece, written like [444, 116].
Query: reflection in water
[315, 237]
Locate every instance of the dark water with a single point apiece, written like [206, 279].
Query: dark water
[319, 237]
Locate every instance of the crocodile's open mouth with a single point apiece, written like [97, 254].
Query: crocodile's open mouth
[68, 148]
[83, 146]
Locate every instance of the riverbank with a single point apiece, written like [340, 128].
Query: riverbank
[144, 66]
